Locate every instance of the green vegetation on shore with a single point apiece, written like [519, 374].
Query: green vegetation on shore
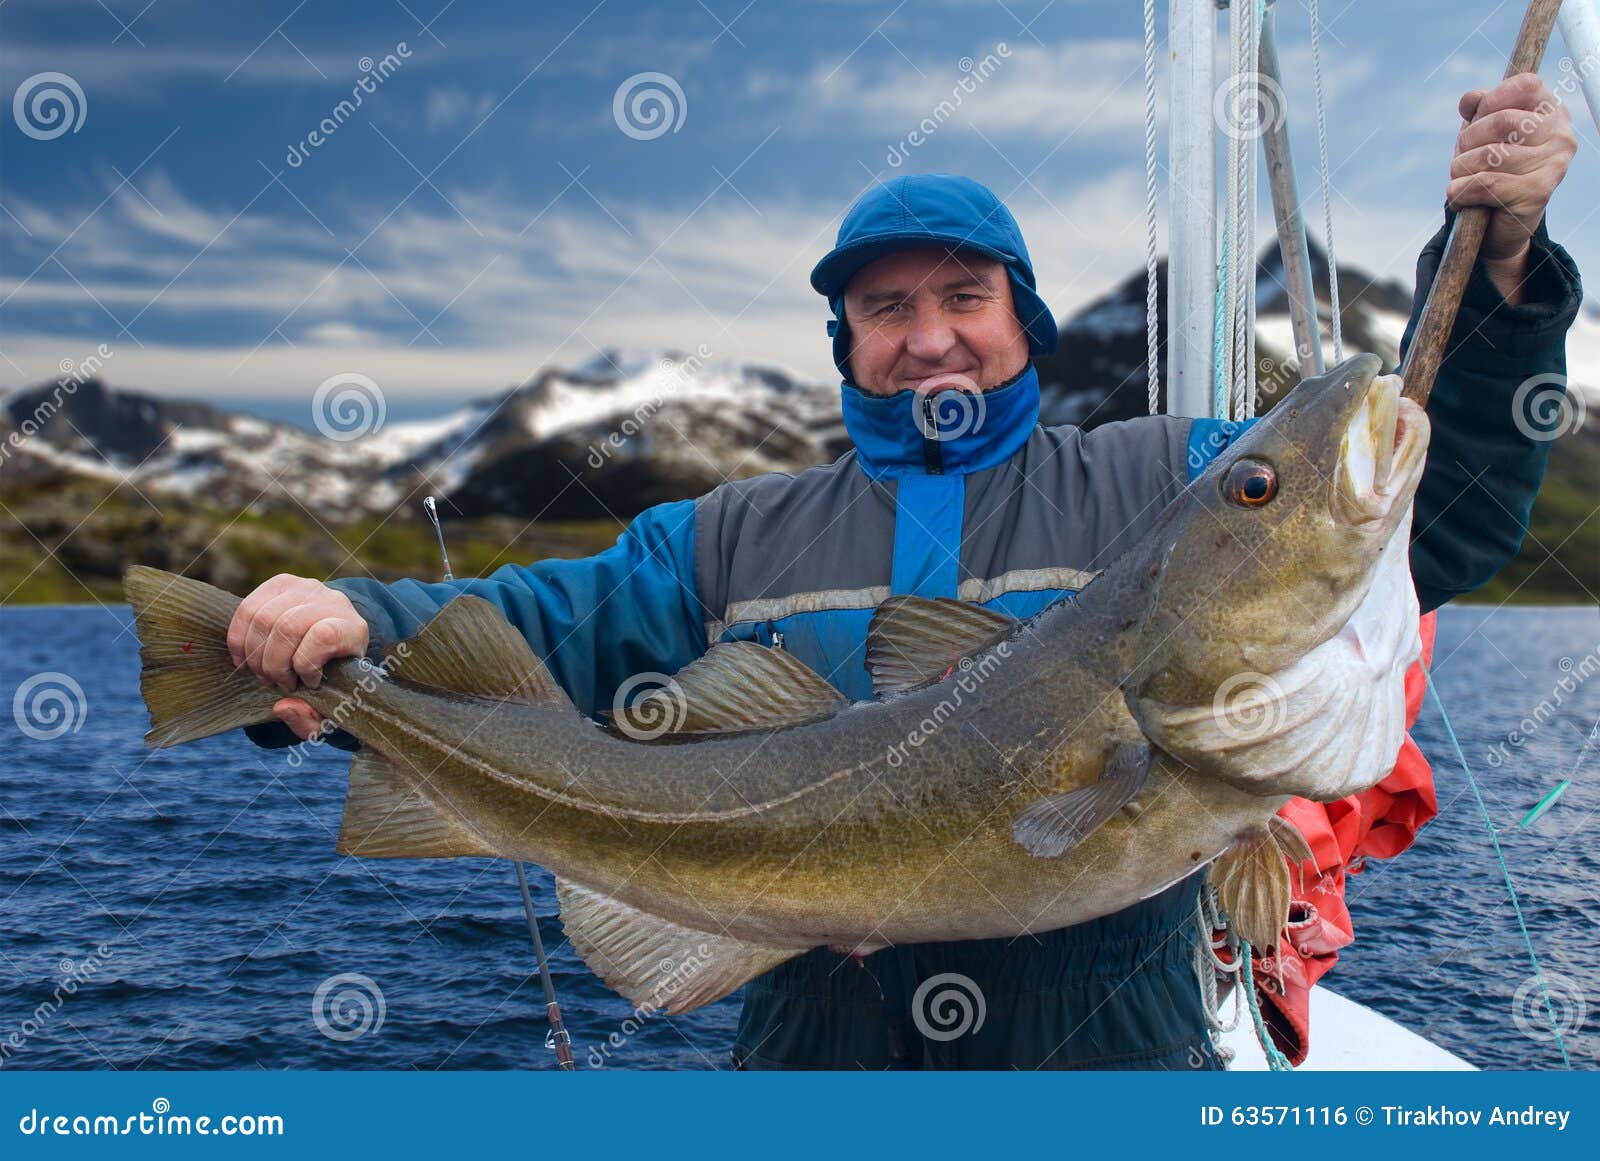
[69, 544]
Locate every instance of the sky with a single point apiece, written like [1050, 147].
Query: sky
[495, 203]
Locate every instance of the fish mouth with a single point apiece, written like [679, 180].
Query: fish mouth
[1381, 455]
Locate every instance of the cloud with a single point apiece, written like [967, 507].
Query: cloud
[499, 287]
[449, 108]
[1085, 87]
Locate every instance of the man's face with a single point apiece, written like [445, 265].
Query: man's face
[930, 318]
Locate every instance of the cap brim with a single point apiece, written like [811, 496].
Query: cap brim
[830, 276]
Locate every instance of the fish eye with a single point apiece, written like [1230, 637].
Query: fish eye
[1250, 484]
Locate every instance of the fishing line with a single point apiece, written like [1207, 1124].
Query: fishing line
[558, 1039]
[1505, 871]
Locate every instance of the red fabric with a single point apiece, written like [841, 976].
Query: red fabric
[1378, 823]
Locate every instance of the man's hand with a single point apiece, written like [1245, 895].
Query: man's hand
[288, 629]
[1514, 147]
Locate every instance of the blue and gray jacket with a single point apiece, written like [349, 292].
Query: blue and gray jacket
[1011, 515]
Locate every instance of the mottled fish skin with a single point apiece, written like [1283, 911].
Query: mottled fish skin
[844, 831]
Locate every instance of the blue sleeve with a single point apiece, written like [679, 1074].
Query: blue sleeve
[596, 621]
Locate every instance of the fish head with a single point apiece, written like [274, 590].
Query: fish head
[1281, 576]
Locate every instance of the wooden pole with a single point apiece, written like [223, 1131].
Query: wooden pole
[1466, 235]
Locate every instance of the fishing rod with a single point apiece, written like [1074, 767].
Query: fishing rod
[558, 1039]
[1466, 234]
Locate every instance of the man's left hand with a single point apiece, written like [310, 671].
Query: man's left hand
[1514, 148]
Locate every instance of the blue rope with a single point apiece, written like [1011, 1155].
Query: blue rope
[1504, 870]
[1276, 1060]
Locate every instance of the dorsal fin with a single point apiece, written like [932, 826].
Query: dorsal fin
[915, 641]
[471, 648]
[736, 685]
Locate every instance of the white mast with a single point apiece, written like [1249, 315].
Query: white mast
[1580, 28]
[1191, 180]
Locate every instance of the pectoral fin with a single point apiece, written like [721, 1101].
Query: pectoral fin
[654, 962]
[1252, 880]
[1053, 826]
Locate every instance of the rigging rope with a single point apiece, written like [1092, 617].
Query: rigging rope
[1153, 383]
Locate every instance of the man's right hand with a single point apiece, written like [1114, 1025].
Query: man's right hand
[286, 632]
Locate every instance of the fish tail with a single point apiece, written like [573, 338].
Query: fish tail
[189, 682]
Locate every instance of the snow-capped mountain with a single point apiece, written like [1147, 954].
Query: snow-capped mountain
[616, 434]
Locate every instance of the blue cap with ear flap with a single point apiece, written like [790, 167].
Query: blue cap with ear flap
[922, 209]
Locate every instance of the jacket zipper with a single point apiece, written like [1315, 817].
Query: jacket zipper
[932, 453]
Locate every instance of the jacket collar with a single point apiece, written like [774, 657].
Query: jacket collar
[945, 433]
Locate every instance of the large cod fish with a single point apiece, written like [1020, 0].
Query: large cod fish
[1011, 776]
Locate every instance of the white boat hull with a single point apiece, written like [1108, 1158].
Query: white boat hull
[1346, 1037]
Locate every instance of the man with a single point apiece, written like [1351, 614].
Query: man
[964, 495]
